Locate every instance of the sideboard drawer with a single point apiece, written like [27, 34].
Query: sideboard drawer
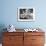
[37, 39]
[13, 33]
[34, 33]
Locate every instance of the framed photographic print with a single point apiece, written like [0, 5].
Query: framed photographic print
[26, 14]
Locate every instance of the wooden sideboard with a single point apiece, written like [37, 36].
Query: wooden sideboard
[23, 38]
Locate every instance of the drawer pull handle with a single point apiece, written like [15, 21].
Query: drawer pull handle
[10, 38]
[33, 39]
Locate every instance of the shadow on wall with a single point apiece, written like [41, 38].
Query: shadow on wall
[2, 26]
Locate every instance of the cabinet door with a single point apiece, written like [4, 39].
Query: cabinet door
[27, 40]
[18, 41]
[37, 40]
[33, 39]
[13, 40]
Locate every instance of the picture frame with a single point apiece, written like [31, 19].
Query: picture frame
[26, 14]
